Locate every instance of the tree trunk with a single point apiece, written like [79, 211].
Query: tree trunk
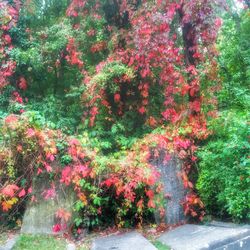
[189, 43]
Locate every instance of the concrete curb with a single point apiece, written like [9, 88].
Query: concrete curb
[205, 237]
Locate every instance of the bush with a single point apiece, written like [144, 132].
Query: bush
[103, 186]
[224, 168]
[224, 162]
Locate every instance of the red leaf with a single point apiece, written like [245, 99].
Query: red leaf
[7, 38]
[9, 190]
[30, 190]
[22, 83]
[66, 175]
[56, 228]
[150, 194]
[131, 61]
[30, 132]
[151, 204]
[195, 106]
[47, 167]
[117, 97]
[142, 110]
[185, 89]
[39, 171]
[22, 193]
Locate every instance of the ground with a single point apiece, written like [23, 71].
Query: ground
[3, 238]
[211, 236]
[30, 242]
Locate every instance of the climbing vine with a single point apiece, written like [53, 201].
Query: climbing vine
[102, 88]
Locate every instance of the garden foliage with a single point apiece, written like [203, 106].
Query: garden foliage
[224, 160]
[92, 91]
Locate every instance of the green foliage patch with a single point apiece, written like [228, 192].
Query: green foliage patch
[224, 168]
[30, 242]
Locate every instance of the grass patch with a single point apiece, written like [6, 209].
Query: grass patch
[160, 246]
[31, 242]
[82, 248]
[3, 238]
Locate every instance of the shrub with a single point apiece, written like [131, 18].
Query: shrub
[224, 162]
[224, 167]
[30, 150]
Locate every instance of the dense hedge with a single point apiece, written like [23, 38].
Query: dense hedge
[224, 168]
[224, 165]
